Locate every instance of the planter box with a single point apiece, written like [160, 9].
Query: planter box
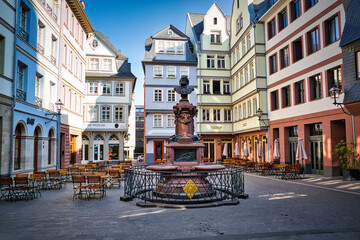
[351, 174]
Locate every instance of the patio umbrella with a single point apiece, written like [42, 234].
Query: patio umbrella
[260, 150]
[300, 153]
[276, 154]
[237, 151]
[245, 150]
[225, 151]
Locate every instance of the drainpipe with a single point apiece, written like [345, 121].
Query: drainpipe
[13, 95]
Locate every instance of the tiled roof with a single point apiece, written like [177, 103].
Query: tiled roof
[351, 30]
[197, 21]
[108, 44]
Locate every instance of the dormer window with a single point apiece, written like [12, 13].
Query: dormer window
[170, 33]
[94, 43]
[215, 21]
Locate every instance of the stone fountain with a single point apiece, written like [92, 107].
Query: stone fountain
[185, 153]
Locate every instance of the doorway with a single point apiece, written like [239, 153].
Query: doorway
[72, 149]
[36, 149]
[316, 154]
[158, 151]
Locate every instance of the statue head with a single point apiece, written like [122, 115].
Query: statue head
[184, 81]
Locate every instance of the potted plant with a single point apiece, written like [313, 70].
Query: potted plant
[345, 152]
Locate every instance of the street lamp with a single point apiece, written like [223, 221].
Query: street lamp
[260, 113]
[58, 105]
[335, 94]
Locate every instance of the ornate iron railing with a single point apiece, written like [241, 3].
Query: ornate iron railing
[168, 187]
[53, 60]
[21, 95]
[38, 101]
[49, 9]
[40, 49]
[51, 106]
[23, 34]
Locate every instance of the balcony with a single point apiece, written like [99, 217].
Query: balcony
[23, 34]
[49, 9]
[53, 60]
[38, 101]
[40, 49]
[20, 94]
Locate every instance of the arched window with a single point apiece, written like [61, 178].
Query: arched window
[17, 154]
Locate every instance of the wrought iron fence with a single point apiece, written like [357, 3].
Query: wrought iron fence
[40, 48]
[23, 34]
[171, 187]
[21, 95]
[38, 101]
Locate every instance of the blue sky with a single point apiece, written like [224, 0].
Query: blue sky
[129, 23]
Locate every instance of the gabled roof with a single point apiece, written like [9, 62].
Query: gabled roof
[163, 34]
[79, 11]
[108, 44]
[197, 21]
[351, 30]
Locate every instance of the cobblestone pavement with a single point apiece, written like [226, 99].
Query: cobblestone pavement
[312, 208]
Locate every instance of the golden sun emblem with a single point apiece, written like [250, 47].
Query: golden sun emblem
[190, 189]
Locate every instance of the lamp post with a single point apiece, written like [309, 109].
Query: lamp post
[260, 113]
[58, 105]
[335, 94]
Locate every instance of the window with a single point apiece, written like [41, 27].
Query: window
[65, 55]
[286, 96]
[239, 23]
[206, 87]
[295, 9]
[238, 53]
[160, 46]
[299, 92]
[118, 114]
[71, 59]
[284, 57]
[244, 110]
[221, 62]
[53, 49]
[248, 42]
[282, 20]
[297, 50]
[38, 80]
[24, 21]
[271, 28]
[21, 81]
[357, 62]
[226, 87]
[255, 107]
[158, 120]
[332, 30]
[241, 79]
[310, 3]
[158, 71]
[215, 21]
[93, 88]
[216, 115]
[170, 47]
[41, 37]
[170, 120]
[273, 64]
[2, 54]
[274, 100]
[215, 37]
[246, 75]
[119, 88]
[158, 96]
[240, 112]
[243, 48]
[17, 151]
[206, 115]
[216, 87]
[107, 64]
[249, 108]
[171, 72]
[210, 61]
[313, 41]
[179, 47]
[315, 87]
[106, 89]
[334, 78]
[227, 115]
[94, 64]
[252, 75]
[184, 71]
[105, 113]
[171, 96]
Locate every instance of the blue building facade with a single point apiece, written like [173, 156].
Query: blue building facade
[35, 88]
[168, 56]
